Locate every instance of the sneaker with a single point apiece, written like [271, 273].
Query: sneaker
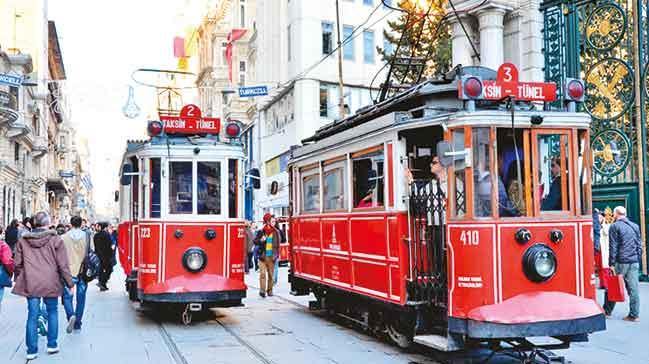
[71, 322]
[631, 319]
[270, 294]
[31, 356]
[53, 350]
[262, 294]
[103, 288]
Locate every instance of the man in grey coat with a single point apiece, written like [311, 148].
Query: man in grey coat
[625, 253]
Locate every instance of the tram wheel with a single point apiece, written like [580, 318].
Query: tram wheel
[132, 292]
[401, 340]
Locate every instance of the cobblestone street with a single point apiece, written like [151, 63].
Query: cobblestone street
[273, 330]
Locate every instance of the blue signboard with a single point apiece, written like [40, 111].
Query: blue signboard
[253, 91]
[11, 80]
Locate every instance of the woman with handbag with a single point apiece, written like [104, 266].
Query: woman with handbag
[6, 267]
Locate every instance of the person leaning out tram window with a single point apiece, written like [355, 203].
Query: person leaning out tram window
[267, 243]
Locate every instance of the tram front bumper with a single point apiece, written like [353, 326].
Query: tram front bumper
[554, 314]
[204, 288]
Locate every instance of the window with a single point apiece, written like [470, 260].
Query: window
[324, 107]
[242, 14]
[388, 47]
[242, 73]
[348, 47]
[288, 43]
[368, 2]
[327, 37]
[511, 196]
[233, 182]
[552, 171]
[180, 187]
[368, 181]
[458, 195]
[16, 152]
[368, 46]
[155, 187]
[482, 177]
[334, 188]
[209, 188]
[584, 166]
[311, 193]
[224, 57]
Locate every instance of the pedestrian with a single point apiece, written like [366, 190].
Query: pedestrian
[249, 246]
[267, 244]
[6, 267]
[625, 252]
[113, 244]
[76, 245]
[11, 235]
[60, 229]
[282, 240]
[41, 270]
[103, 248]
[25, 227]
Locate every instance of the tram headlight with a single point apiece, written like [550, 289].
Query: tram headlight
[539, 263]
[194, 260]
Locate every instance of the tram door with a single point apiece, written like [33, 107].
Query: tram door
[427, 210]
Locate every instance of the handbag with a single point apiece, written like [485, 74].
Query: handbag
[5, 277]
[615, 287]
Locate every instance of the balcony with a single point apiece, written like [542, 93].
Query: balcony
[39, 148]
[8, 108]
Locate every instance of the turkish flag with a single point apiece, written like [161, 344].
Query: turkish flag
[234, 35]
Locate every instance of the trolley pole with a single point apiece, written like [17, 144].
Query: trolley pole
[341, 102]
[637, 32]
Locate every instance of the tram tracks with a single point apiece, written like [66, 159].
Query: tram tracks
[179, 357]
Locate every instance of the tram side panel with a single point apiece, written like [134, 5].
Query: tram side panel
[150, 266]
[125, 246]
[236, 251]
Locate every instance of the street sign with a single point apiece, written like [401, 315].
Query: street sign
[253, 91]
[66, 174]
[11, 80]
[190, 121]
[507, 85]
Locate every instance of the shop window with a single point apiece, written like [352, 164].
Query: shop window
[155, 187]
[334, 188]
[483, 180]
[368, 178]
[311, 193]
[180, 187]
[209, 188]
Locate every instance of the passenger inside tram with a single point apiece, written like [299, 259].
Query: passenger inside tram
[368, 179]
[511, 200]
[552, 201]
[553, 171]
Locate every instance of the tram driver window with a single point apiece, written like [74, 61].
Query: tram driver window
[368, 179]
[482, 173]
[209, 188]
[511, 194]
[552, 169]
[180, 187]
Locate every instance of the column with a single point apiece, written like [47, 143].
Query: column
[491, 37]
[460, 45]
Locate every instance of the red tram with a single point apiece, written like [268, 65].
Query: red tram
[451, 218]
[181, 214]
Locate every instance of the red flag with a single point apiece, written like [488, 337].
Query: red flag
[179, 47]
[234, 35]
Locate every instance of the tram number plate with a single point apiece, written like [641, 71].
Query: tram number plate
[470, 237]
[145, 232]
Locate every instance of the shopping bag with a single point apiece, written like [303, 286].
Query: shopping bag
[615, 290]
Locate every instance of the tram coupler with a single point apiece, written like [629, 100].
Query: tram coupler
[196, 307]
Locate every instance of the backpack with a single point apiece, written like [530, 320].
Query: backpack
[90, 266]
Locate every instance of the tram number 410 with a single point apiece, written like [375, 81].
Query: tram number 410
[470, 237]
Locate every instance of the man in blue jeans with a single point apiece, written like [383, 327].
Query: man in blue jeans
[76, 244]
[625, 254]
[41, 277]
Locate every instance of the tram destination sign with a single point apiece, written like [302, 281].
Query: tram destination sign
[508, 85]
[191, 121]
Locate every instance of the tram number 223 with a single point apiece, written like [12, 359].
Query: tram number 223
[470, 237]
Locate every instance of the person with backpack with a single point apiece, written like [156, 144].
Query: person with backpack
[6, 267]
[104, 249]
[11, 234]
[625, 254]
[76, 245]
[42, 268]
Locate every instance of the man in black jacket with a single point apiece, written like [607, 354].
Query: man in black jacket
[625, 253]
[104, 250]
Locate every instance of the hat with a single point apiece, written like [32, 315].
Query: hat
[267, 217]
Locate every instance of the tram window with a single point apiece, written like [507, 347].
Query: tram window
[511, 173]
[232, 188]
[482, 173]
[334, 188]
[552, 167]
[311, 193]
[368, 179]
[209, 188]
[584, 172]
[180, 187]
[155, 187]
[459, 169]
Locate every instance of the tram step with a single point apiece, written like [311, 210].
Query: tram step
[436, 342]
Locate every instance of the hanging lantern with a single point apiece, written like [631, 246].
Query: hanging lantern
[131, 110]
